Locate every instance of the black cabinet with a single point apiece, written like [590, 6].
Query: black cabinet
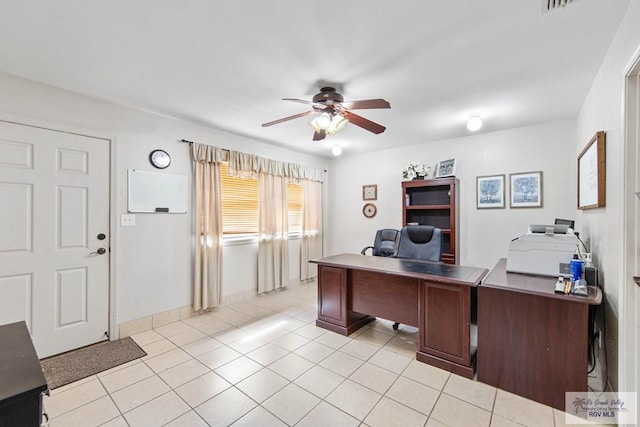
[21, 379]
[434, 202]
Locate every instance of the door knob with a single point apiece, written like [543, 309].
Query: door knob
[100, 251]
[637, 280]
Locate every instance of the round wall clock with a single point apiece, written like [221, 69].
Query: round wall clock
[160, 159]
[369, 210]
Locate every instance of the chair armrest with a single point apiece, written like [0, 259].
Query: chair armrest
[363, 251]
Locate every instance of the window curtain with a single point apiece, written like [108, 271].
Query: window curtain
[311, 244]
[250, 165]
[273, 240]
[273, 243]
[207, 269]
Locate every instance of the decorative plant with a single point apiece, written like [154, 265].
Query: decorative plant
[416, 171]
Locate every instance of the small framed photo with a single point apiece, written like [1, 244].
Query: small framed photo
[490, 192]
[370, 192]
[526, 190]
[446, 168]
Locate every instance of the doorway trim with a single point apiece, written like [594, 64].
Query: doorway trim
[628, 332]
[113, 223]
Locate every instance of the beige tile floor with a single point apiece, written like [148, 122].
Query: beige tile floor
[264, 363]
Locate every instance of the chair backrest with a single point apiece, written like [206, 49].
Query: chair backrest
[568, 222]
[420, 242]
[385, 243]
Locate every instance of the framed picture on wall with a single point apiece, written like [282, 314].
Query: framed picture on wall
[591, 173]
[370, 192]
[526, 189]
[490, 192]
[446, 168]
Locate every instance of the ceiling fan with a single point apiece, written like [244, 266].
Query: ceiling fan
[334, 113]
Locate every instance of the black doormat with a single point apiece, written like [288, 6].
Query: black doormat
[74, 365]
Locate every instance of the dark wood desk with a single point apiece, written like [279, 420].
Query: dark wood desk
[21, 379]
[532, 341]
[435, 298]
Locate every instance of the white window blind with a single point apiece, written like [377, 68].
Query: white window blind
[240, 205]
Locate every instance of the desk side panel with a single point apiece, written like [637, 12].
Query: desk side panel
[532, 345]
[445, 321]
[332, 295]
[21, 379]
[334, 313]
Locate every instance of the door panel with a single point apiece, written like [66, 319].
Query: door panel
[72, 217]
[71, 295]
[15, 304]
[54, 201]
[17, 218]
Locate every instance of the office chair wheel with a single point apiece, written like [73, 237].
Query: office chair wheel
[395, 326]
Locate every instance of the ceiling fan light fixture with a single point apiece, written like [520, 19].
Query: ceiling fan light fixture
[474, 123]
[338, 122]
[323, 121]
[332, 113]
[330, 123]
[336, 150]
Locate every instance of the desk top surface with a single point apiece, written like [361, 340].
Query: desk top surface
[420, 269]
[499, 278]
[20, 369]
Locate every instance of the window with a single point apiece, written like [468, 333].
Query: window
[294, 206]
[240, 205]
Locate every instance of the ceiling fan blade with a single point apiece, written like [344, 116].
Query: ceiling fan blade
[285, 119]
[363, 123]
[303, 101]
[366, 104]
[319, 135]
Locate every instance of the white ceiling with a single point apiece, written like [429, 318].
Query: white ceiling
[227, 64]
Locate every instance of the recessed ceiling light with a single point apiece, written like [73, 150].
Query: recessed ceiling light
[474, 123]
[336, 150]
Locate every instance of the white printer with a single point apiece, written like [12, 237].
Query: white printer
[541, 250]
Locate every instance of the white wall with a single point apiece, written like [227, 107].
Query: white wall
[240, 273]
[602, 110]
[153, 259]
[484, 234]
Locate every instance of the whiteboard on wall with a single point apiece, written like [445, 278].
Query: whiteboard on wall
[157, 192]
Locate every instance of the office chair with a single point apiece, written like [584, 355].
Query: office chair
[419, 242]
[568, 222]
[384, 244]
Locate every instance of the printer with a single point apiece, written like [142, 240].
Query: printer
[542, 249]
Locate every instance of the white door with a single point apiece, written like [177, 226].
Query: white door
[630, 330]
[632, 292]
[54, 209]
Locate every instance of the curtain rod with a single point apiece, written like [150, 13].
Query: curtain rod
[186, 141]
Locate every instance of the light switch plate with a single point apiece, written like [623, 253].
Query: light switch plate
[127, 220]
